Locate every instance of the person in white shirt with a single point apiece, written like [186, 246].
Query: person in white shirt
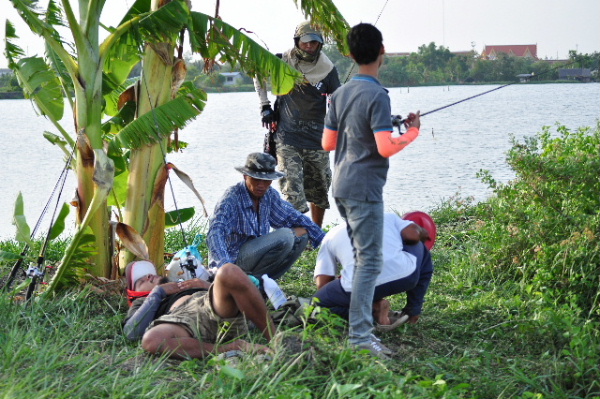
[407, 268]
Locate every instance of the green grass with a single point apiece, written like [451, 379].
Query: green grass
[473, 341]
[512, 312]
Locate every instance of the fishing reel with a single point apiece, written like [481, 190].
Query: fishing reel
[34, 271]
[398, 122]
[187, 267]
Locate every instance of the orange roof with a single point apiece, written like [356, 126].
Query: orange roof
[518, 50]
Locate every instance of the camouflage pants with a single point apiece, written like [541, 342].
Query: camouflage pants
[308, 176]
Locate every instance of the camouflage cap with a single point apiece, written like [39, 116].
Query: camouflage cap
[306, 33]
[260, 165]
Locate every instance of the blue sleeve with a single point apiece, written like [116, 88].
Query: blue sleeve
[141, 315]
[416, 297]
[218, 231]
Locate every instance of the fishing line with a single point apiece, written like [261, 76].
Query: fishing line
[486, 92]
[376, 20]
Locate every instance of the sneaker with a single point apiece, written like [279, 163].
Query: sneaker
[384, 349]
[373, 348]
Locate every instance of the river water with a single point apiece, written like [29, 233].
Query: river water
[455, 143]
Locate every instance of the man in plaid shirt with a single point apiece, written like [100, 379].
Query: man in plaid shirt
[255, 228]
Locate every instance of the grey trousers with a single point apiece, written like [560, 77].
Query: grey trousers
[272, 254]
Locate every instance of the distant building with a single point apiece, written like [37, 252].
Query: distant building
[5, 71]
[232, 78]
[517, 50]
[406, 54]
[397, 54]
[580, 74]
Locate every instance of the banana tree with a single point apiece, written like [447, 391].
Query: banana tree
[122, 124]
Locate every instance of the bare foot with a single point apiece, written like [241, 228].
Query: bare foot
[381, 309]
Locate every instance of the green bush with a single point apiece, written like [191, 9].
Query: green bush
[542, 227]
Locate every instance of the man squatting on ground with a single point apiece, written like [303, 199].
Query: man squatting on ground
[358, 126]
[240, 228]
[407, 267]
[298, 118]
[193, 318]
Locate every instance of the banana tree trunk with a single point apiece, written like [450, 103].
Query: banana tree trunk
[88, 118]
[144, 207]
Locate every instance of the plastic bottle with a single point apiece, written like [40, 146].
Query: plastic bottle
[274, 293]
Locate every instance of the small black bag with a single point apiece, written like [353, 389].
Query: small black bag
[269, 142]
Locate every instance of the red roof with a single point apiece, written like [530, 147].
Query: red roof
[517, 50]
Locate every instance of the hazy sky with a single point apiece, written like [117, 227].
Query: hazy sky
[556, 26]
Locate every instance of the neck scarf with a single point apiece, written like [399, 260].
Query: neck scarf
[314, 71]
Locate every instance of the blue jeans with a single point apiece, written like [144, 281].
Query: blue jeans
[272, 254]
[365, 228]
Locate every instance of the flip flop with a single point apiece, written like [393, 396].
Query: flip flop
[395, 323]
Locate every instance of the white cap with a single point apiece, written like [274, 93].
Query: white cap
[136, 270]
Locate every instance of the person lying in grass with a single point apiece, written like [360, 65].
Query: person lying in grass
[194, 318]
[407, 267]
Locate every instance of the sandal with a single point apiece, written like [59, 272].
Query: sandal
[397, 320]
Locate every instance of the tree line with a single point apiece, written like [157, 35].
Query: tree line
[430, 65]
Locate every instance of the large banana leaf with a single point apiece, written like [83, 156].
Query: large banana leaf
[213, 38]
[160, 123]
[39, 83]
[27, 10]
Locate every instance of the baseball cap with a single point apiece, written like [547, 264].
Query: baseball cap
[133, 272]
[136, 270]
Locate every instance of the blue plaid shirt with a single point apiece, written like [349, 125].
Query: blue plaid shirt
[235, 221]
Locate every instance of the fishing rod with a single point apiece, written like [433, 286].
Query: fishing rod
[37, 272]
[398, 121]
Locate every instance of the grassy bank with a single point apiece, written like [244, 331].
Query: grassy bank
[512, 311]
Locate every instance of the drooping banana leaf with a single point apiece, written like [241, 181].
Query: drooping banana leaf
[162, 25]
[132, 240]
[77, 256]
[39, 83]
[126, 50]
[187, 180]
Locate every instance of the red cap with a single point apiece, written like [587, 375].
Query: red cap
[426, 222]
